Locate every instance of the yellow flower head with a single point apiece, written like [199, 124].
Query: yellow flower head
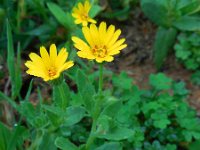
[81, 13]
[48, 66]
[102, 43]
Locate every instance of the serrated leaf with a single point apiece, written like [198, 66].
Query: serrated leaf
[122, 81]
[160, 81]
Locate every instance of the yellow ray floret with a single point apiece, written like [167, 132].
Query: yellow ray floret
[102, 43]
[50, 65]
[81, 13]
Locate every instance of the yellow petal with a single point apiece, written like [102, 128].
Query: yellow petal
[94, 34]
[87, 6]
[102, 32]
[80, 44]
[53, 53]
[109, 58]
[84, 54]
[116, 44]
[109, 34]
[117, 50]
[45, 56]
[114, 38]
[61, 58]
[87, 35]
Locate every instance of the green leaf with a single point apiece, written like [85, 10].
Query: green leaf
[47, 142]
[55, 114]
[165, 39]
[61, 95]
[111, 108]
[19, 134]
[188, 23]
[86, 90]
[194, 145]
[122, 81]
[108, 129]
[191, 64]
[64, 144]
[95, 10]
[110, 146]
[191, 8]
[181, 52]
[195, 78]
[29, 91]
[117, 134]
[5, 135]
[73, 115]
[9, 100]
[63, 18]
[179, 88]
[159, 13]
[13, 68]
[160, 81]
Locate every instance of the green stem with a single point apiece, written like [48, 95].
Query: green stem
[100, 78]
[62, 94]
[97, 109]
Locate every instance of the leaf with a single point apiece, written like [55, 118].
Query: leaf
[160, 81]
[47, 142]
[13, 68]
[55, 114]
[182, 53]
[117, 134]
[61, 95]
[165, 39]
[95, 10]
[160, 120]
[111, 109]
[29, 91]
[108, 129]
[5, 135]
[86, 90]
[122, 81]
[63, 18]
[179, 88]
[188, 23]
[65, 144]
[73, 115]
[191, 8]
[19, 134]
[110, 146]
[159, 13]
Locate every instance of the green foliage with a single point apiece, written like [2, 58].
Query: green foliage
[170, 16]
[119, 9]
[187, 49]
[14, 69]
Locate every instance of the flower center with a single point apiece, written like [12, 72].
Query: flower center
[84, 16]
[52, 72]
[99, 51]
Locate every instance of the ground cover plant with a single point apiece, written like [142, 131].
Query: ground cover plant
[65, 48]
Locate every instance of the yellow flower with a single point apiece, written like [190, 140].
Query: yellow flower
[48, 66]
[102, 43]
[81, 15]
